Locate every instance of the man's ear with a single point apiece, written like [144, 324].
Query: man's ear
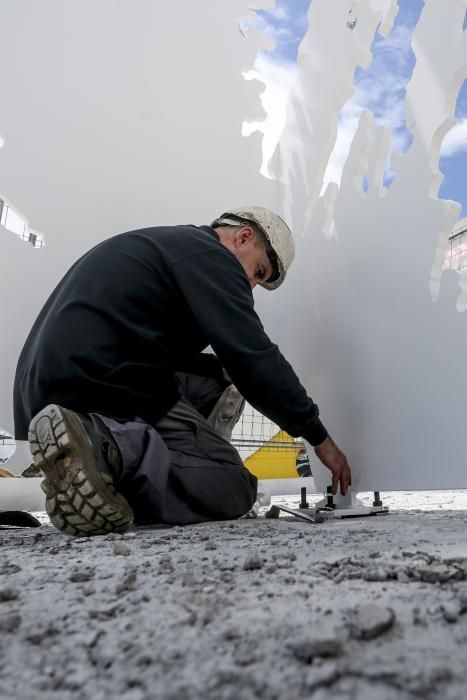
[244, 235]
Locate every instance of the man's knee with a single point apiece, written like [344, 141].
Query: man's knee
[242, 498]
[218, 492]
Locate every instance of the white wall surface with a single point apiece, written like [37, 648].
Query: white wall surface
[117, 115]
[382, 354]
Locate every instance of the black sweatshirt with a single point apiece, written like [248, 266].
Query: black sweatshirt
[136, 308]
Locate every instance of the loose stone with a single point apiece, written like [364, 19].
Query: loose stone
[252, 562]
[8, 594]
[370, 621]
[121, 549]
[326, 645]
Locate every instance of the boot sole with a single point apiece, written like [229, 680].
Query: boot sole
[226, 413]
[80, 498]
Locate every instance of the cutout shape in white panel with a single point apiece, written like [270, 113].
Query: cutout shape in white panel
[385, 362]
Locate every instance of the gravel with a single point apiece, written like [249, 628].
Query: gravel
[361, 609]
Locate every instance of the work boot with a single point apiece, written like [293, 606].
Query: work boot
[81, 463]
[31, 471]
[226, 412]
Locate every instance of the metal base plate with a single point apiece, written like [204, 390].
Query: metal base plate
[356, 512]
[315, 516]
[305, 514]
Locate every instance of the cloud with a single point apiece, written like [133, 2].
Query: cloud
[285, 24]
[380, 90]
[455, 140]
[367, 97]
[348, 122]
[397, 44]
[278, 77]
[279, 13]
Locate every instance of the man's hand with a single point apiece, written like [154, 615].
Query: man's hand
[335, 460]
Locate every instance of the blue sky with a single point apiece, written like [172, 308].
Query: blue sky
[381, 88]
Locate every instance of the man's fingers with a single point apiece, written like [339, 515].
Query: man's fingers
[336, 462]
[345, 479]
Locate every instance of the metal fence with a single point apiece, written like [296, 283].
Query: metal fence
[7, 445]
[456, 258]
[254, 432]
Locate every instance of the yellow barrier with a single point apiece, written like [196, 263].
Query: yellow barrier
[276, 459]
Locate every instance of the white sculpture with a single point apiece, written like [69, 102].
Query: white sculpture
[115, 118]
[385, 362]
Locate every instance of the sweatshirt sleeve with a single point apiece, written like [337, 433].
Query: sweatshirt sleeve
[218, 293]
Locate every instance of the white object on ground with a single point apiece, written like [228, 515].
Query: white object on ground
[18, 493]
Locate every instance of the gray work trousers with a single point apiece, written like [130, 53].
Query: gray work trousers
[182, 471]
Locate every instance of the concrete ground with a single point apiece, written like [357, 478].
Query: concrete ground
[363, 609]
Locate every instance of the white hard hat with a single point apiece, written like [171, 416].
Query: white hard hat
[281, 248]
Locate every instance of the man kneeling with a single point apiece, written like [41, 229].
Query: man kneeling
[128, 419]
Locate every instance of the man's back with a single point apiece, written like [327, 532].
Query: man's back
[116, 327]
[141, 306]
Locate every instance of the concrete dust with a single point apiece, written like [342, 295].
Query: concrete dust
[363, 609]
